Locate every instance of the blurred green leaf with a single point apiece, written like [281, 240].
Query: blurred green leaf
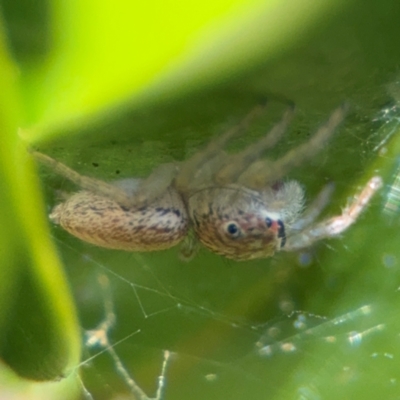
[144, 84]
[104, 54]
[39, 335]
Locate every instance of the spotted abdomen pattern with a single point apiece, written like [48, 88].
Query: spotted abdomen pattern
[103, 222]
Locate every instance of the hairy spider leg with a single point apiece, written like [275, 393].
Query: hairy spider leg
[336, 225]
[261, 173]
[237, 163]
[156, 184]
[189, 168]
[148, 190]
[87, 183]
[313, 211]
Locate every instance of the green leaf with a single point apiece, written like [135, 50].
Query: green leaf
[121, 88]
[39, 332]
[105, 54]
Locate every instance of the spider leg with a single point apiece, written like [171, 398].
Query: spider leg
[148, 190]
[91, 184]
[155, 184]
[315, 208]
[261, 173]
[336, 225]
[189, 247]
[238, 163]
[196, 162]
[205, 175]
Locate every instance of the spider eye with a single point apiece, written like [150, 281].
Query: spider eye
[268, 221]
[233, 229]
[281, 232]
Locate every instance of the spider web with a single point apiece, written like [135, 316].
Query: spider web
[160, 328]
[229, 355]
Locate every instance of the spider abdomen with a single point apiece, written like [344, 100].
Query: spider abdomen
[103, 222]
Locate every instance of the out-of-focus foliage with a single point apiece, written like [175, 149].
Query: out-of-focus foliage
[114, 89]
[39, 336]
[100, 54]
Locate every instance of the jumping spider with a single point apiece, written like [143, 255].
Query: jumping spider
[237, 205]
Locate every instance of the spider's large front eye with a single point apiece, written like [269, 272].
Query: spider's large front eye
[233, 229]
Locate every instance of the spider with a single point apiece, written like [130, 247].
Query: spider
[237, 205]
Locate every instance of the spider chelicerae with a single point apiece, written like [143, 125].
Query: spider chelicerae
[237, 205]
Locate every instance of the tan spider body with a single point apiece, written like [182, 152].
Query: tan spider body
[102, 221]
[237, 205]
[245, 212]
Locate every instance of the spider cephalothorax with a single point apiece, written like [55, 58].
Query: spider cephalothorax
[241, 223]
